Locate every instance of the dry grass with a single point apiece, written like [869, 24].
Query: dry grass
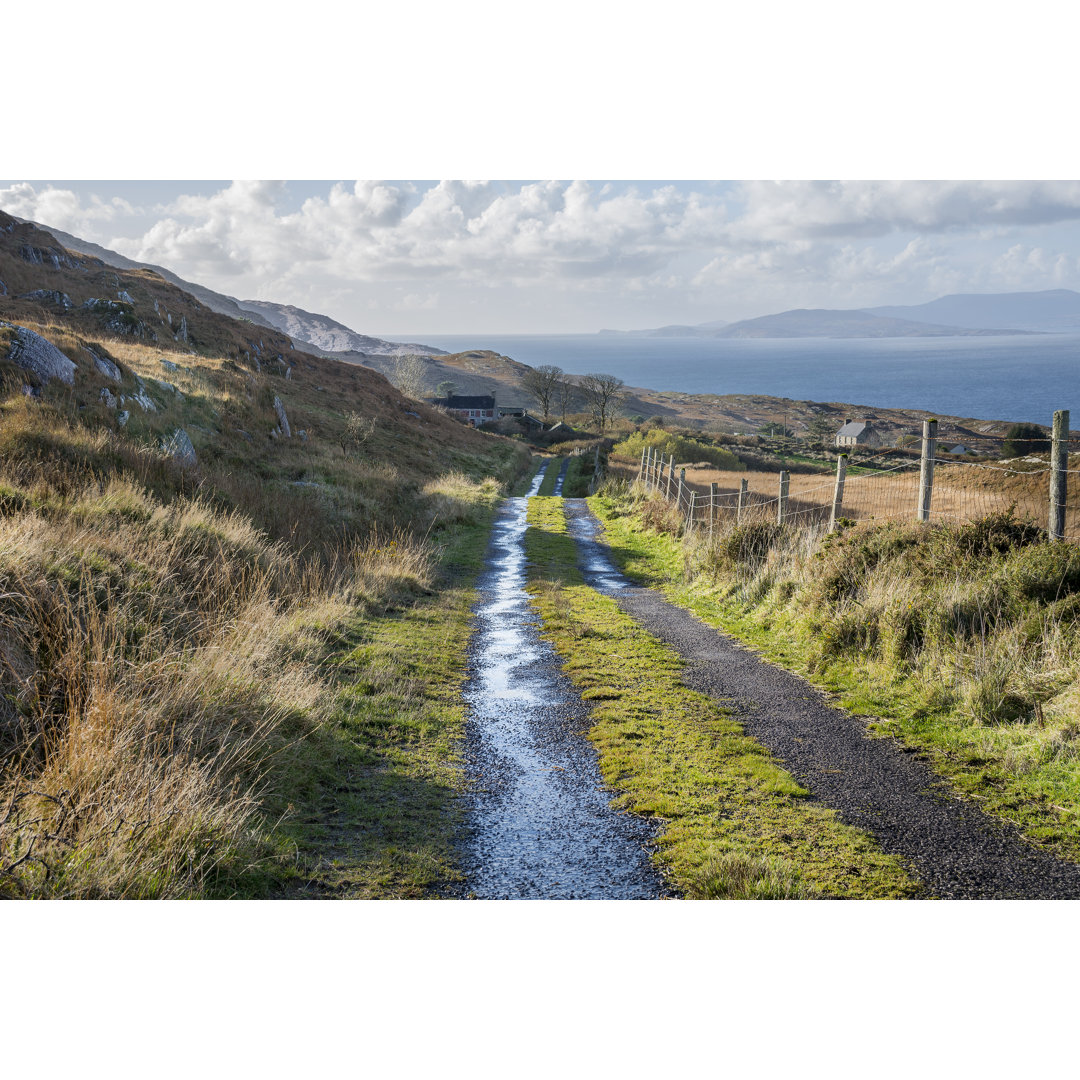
[961, 493]
[165, 634]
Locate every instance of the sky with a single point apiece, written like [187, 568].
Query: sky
[408, 258]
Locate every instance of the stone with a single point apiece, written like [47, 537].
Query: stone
[48, 296]
[124, 295]
[143, 400]
[178, 447]
[33, 353]
[283, 420]
[288, 373]
[104, 365]
[123, 417]
[168, 365]
[302, 435]
[108, 399]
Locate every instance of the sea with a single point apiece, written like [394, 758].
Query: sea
[1016, 378]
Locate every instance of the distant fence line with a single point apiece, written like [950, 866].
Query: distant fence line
[927, 490]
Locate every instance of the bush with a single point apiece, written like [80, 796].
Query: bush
[1024, 439]
[684, 448]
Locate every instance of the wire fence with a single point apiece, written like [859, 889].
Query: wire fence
[888, 486]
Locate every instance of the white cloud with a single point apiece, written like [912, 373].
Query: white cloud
[60, 207]
[571, 251]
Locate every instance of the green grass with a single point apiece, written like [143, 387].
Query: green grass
[736, 825]
[379, 814]
[547, 485]
[914, 676]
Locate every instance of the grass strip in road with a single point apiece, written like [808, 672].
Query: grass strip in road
[547, 485]
[736, 825]
[1022, 772]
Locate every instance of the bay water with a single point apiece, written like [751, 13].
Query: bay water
[1008, 377]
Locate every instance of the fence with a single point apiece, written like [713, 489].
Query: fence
[927, 488]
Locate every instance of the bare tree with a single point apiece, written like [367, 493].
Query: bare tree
[543, 383]
[564, 392]
[603, 395]
[410, 375]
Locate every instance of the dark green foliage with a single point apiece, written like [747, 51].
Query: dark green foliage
[1024, 439]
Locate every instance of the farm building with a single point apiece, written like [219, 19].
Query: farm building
[474, 410]
[858, 433]
[522, 416]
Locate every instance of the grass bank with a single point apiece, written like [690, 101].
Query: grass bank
[961, 640]
[736, 825]
[234, 678]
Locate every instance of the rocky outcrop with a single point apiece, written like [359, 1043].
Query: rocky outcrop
[107, 397]
[118, 318]
[123, 417]
[104, 365]
[283, 420]
[47, 257]
[33, 353]
[48, 296]
[178, 447]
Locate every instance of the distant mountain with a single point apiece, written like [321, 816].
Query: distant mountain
[1053, 310]
[327, 335]
[825, 322]
[675, 330]
[322, 328]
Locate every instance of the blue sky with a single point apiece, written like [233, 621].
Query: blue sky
[422, 257]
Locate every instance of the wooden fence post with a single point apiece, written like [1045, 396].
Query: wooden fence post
[838, 493]
[781, 502]
[926, 469]
[641, 467]
[714, 491]
[1059, 463]
[689, 527]
[682, 484]
[742, 500]
[670, 477]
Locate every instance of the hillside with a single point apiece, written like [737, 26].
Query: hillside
[824, 322]
[308, 330]
[1051, 310]
[327, 335]
[217, 571]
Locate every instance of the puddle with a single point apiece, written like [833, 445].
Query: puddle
[593, 559]
[539, 823]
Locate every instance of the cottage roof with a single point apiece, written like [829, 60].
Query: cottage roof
[853, 429]
[476, 402]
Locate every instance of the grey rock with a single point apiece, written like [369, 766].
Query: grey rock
[104, 365]
[304, 484]
[283, 420]
[302, 436]
[33, 353]
[49, 296]
[31, 391]
[169, 386]
[168, 365]
[124, 295]
[183, 333]
[143, 400]
[108, 399]
[123, 417]
[288, 373]
[243, 434]
[178, 447]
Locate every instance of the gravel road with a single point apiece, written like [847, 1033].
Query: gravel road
[948, 843]
[539, 820]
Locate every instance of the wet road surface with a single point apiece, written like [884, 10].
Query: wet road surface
[539, 821]
[875, 784]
